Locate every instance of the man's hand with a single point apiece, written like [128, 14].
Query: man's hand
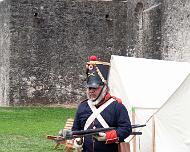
[101, 136]
[62, 132]
[78, 142]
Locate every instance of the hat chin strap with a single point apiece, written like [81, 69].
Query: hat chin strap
[101, 96]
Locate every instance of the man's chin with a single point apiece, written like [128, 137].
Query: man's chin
[92, 99]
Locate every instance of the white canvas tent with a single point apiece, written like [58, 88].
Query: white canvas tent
[147, 85]
[173, 123]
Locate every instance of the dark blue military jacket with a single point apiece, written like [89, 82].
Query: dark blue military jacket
[115, 114]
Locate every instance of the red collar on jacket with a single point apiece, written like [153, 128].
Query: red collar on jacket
[106, 98]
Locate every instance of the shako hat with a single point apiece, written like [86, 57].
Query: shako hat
[97, 72]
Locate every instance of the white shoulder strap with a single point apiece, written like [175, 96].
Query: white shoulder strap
[96, 114]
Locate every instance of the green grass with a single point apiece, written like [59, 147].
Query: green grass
[24, 129]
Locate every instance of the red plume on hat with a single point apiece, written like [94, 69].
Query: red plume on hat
[93, 58]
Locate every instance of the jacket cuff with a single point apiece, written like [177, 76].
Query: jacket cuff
[111, 137]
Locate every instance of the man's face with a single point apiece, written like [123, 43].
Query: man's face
[93, 93]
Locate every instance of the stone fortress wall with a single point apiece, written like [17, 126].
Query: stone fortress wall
[44, 44]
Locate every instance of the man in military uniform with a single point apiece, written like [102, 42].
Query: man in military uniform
[100, 110]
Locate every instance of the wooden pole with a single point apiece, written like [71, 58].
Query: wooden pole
[133, 122]
[153, 135]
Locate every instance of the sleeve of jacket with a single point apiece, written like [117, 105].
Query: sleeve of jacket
[123, 129]
[77, 124]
